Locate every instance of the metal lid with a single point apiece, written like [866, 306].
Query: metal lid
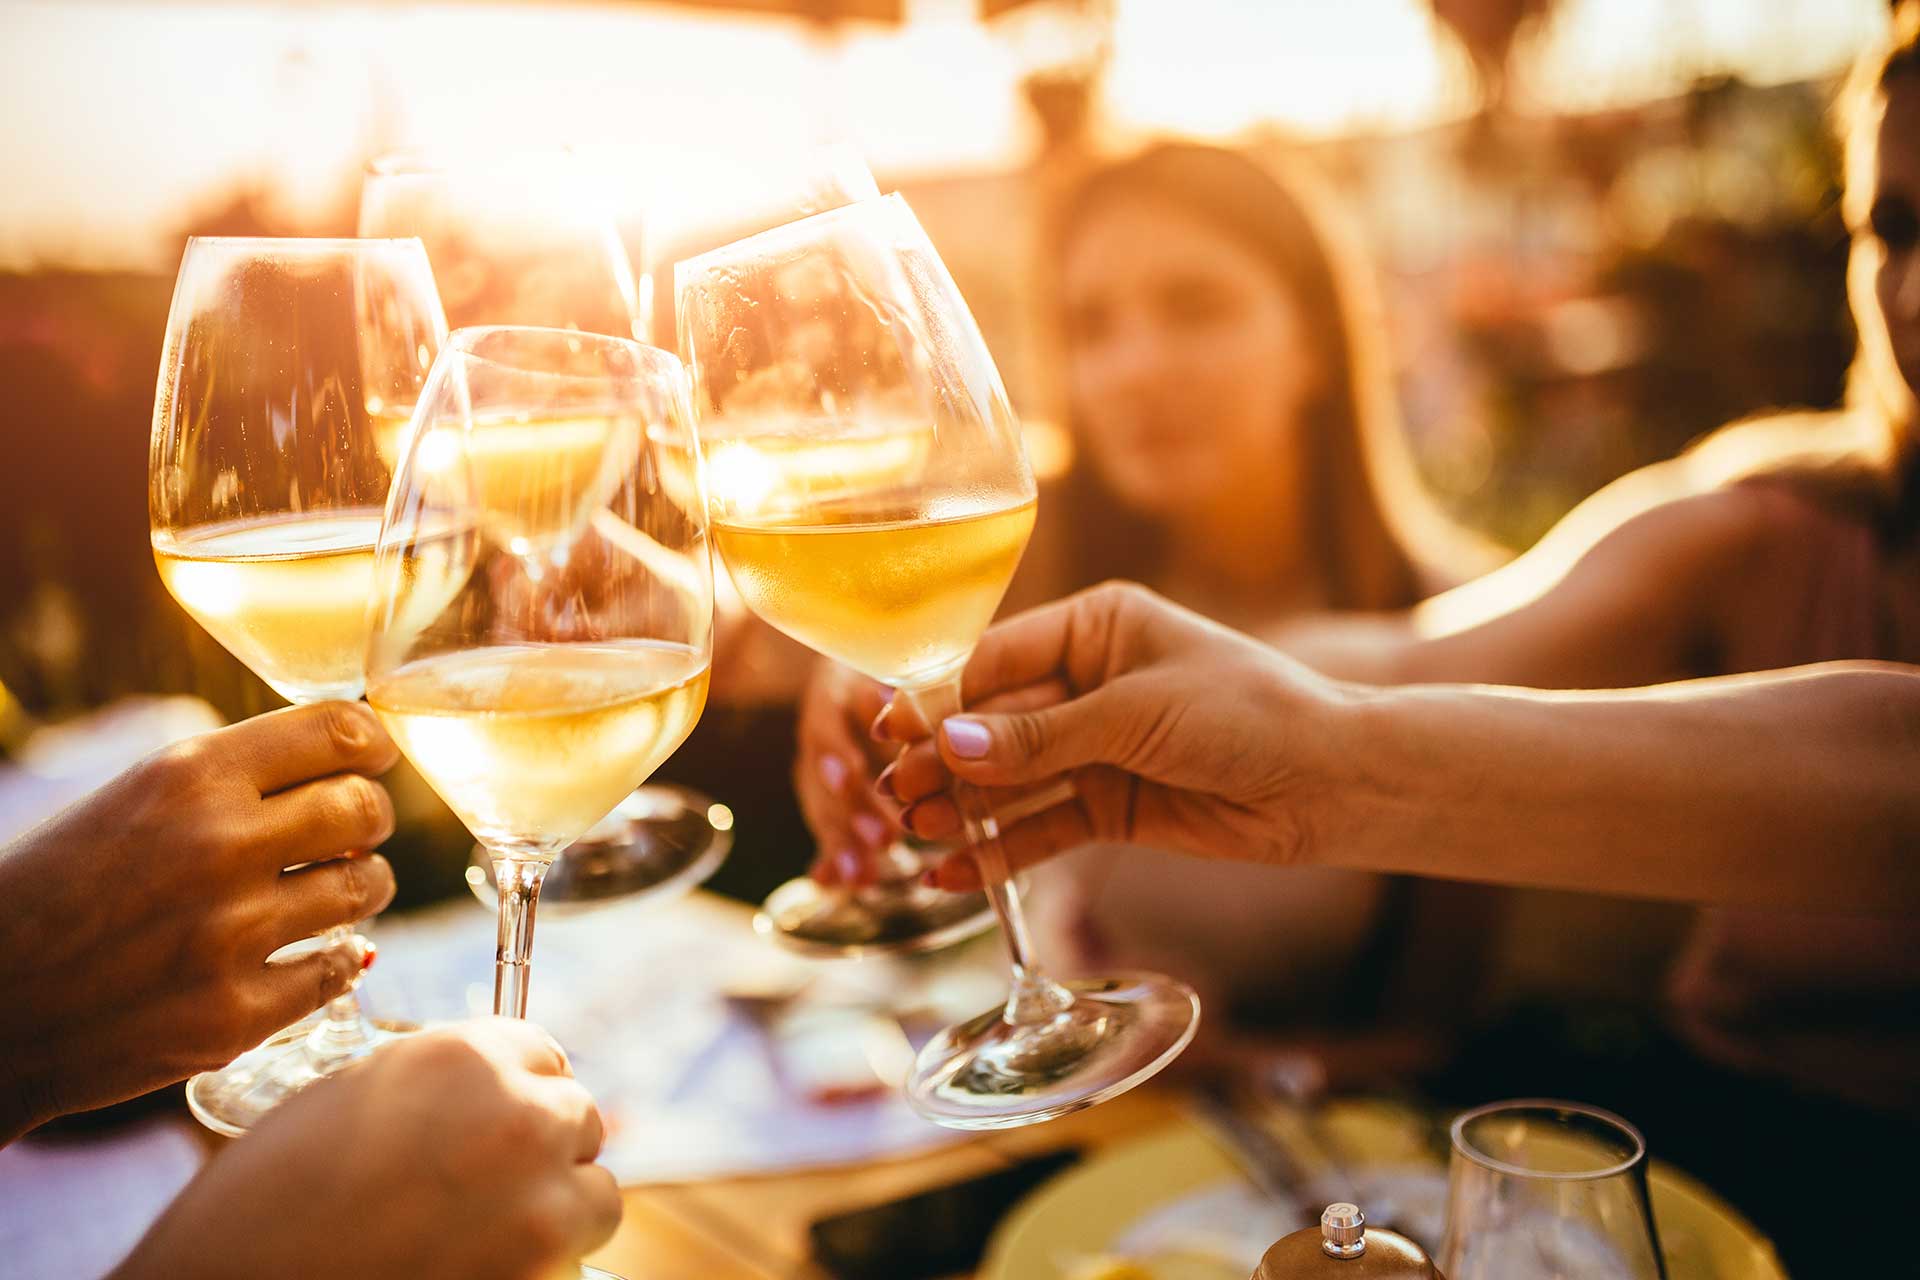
[1343, 1231]
[1344, 1248]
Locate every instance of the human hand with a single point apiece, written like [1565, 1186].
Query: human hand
[833, 774]
[1176, 732]
[464, 1152]
[142, 917]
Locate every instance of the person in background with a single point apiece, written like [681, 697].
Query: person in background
[1236, 447]
[1772, 546]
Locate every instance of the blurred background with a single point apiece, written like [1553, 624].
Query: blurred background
[1601, 227]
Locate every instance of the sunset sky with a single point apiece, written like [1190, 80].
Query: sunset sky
[122, 117]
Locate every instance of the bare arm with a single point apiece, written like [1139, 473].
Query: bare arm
[1789, 788]
[1624, 591]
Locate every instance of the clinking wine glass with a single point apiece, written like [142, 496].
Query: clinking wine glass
[871, 497]
[1544, 1190]
[528, 238]
[542, 627]
[265, 492]
[542, 633]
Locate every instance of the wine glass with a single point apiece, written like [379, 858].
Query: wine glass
[871, 497]
[528, 239]
[265, 491]
[517, 238]
[542, 620]
[1546, 1190]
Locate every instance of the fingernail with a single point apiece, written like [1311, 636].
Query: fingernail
[878, 729]
[872, 831]
[833, 771]
[368, 954]
[884, 783]
[930, 819]
[968, 738]
[846, 866]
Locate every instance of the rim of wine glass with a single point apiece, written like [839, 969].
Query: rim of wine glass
[459, 342]
[796, 231]
[1462, 1147]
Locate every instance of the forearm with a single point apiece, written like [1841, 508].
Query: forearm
[1790, 788]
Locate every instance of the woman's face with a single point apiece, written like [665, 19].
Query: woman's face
[1895, 222]
[1188, 364]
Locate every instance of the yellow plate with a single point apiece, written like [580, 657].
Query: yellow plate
[1076, 1218]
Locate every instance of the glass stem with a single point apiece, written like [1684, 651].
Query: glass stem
[341, 1032]
[519, 880]
[1035, 997]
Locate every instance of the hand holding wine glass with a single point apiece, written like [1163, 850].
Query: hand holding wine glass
[472, 1150]
[147, 911]
[266, 484]
[871, 497]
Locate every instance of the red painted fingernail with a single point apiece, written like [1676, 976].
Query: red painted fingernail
[367, 957]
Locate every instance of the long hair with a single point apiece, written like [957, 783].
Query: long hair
[1367, 505]
[1864, 461]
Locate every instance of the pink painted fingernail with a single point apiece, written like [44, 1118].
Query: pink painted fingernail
[833, 771]
[872, 831]
[968, 738]
[846, 866]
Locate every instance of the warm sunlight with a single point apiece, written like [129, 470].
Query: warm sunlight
[180, 103]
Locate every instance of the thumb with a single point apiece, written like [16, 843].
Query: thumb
[1016, 747]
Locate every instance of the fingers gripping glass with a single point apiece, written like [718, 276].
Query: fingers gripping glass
[871, 498]
[266, 483]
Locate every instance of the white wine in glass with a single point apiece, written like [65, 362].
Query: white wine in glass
[266, 487]
[871, 496]
[286, 594]
[903, 601]
[571, 658]
[528, 238]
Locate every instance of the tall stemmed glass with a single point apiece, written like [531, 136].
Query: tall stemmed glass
[528, 238]
[542, 623]
[871, 497]
[519, 238]
[265, 491]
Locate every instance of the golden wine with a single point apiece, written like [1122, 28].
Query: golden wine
[903, 601]
[287, 595]
[774, 471]
[532, 744]
[535, 481]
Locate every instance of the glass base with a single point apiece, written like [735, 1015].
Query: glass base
[235, 1098]
[898, 917]
[660, 842]
[991, 1074]
[595, 1273]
